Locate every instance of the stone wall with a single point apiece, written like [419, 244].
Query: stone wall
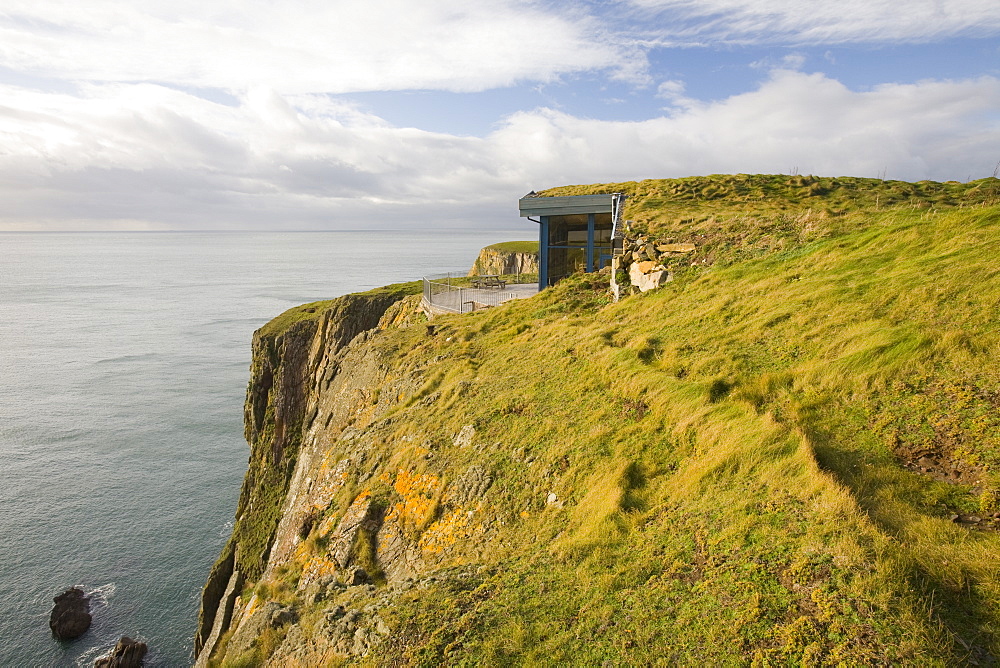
[643, 264]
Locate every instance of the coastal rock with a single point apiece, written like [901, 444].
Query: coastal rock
[363, 514]
[357, 576]
[464, 437]
[676, 248]
[127, 653]
[501, 260]
[296, 358]
[70, 617]
[470, 486]
[270, 615]
[648, 275]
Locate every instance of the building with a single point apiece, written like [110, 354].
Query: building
[574, 233]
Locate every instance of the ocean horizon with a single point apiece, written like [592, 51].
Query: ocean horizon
[125, 361]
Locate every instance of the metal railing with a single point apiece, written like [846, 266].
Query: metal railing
[453, 292]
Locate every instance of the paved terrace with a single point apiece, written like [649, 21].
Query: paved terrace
[440, 298]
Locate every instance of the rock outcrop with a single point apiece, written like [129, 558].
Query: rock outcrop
[70, 616]
[127, 653]
[509, 258]
[295, 359]
[324, 520]
[644, 264]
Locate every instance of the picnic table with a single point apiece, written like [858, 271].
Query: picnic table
[489, 281]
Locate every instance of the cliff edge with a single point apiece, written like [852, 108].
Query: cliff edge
[786, 455]
[294, 358]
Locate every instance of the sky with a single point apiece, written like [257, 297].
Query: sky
[390, 114]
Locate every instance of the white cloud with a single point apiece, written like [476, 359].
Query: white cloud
[147, 155]
[815, 22]
[670, 90]
[934, 129]
[304, 46]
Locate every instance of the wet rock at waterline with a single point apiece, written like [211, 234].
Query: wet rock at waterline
[127, 653]
[70, 617]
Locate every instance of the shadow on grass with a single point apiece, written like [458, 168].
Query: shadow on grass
[885, 492]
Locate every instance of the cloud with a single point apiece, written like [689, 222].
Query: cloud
[670, 90]
[812, 22]
[790, 61]
[305, 46]
[934, 129]
[147, 155]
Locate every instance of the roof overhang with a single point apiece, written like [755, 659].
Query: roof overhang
[566, 206]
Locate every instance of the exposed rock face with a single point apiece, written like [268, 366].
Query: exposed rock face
[70, 617]
[127, 653]
[291, 368]
[319, 496]
[270, 615]
[498, 261]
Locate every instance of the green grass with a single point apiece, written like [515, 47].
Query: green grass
[724, 452]
[730, 488]
[515, 246]
[732, 218]
[511, 279]
[315, 310]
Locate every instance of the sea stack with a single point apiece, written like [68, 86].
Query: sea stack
[127, 653]
[70, 617]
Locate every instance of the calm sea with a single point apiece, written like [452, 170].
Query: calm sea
[123, 364]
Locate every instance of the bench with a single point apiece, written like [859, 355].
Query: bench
[489, 281]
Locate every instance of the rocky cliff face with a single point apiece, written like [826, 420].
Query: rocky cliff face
[500, 260]
[296, 359]
[343, 511]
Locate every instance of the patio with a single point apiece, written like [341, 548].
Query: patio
[442, 296]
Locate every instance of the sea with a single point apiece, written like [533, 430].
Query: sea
[124, 359]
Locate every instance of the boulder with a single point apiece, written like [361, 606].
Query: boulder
[463, 438]
[645, 267]
[469, 487]
[70, 617]
[127, 653]
[270, 615]
[675, 248]
[357, 576]
[648, 276]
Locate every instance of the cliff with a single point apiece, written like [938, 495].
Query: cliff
[786, 455]
[511, 257]
[295, 357]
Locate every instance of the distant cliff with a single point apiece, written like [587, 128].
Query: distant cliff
[511, 257]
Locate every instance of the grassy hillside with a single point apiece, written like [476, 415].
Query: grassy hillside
[742, 216]
[728, 460]
[789, 457]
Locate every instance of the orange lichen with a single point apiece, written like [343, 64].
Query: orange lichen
[446, 532]
[244, 608]
[316, 568]
[418, 497]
